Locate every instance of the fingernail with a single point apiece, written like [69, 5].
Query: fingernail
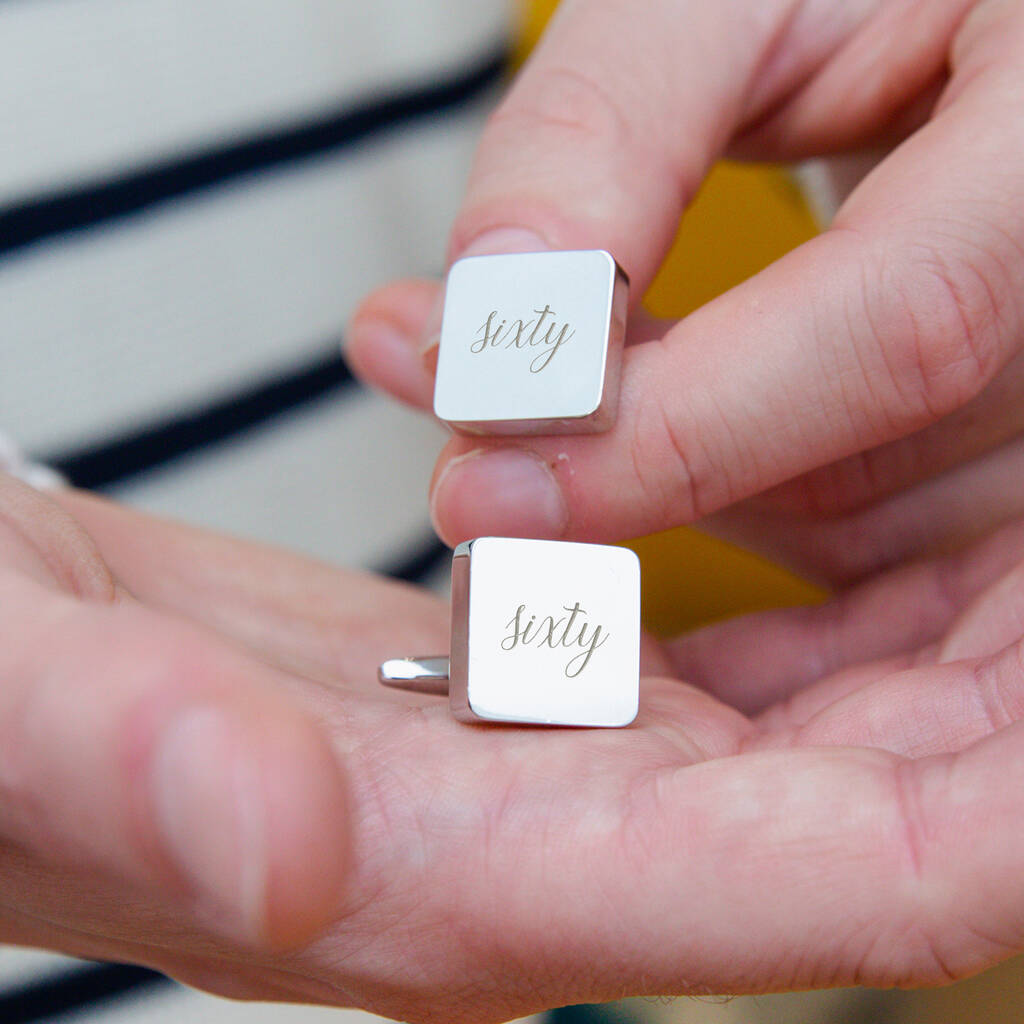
[502, 240]
[209, 810]
[503, 493]
[498, 240]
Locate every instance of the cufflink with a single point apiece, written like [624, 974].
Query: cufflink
[531, 343]
[542, 633]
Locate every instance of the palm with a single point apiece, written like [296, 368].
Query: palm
[499, 870]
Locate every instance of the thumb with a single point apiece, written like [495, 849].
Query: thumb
[136, 748]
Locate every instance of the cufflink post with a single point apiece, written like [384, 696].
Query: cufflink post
[420, 675]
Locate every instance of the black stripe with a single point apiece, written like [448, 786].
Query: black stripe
[36, 218]
[83, 989]
[591, 1014]
[416, 565]
[102, 464]
[164, 443]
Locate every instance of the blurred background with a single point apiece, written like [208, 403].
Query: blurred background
[194, 194]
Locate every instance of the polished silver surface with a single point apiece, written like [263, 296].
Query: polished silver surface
[531, 343]
[421, 675]
[543, 633]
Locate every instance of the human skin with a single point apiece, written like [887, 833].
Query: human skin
[809, 798]
[856, 403]
[848, 814]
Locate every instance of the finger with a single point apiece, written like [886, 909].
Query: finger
[850, 866]
[304, 616]
[557, 166]
[947, 512]
[924, 710]
[992, 622]
[610, 127]
[879, 83]
[991, 420]
[382, 343]
[781, 869]
[39, 539]
[947, 696]
[780, 723]
[590, 150]
[757, 660]
[987, 626]
[895, 318]
[137, 748]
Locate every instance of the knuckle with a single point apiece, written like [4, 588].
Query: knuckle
[564, 101]
[909, 949]
[939, 324]
[998, 689]
[28, 696]
[687, 464]
[930, 938]
[663, 460]
[909, 955]
[44, 531]
[910, 813]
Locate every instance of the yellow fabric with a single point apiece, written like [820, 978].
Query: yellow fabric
[532, 16]
[745, 217]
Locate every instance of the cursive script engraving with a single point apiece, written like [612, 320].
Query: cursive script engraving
[524, 334]
[555, 633]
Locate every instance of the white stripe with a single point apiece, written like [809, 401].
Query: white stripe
[344, 480]
[14, 461]
[90, 86]
[175, 1006]
[23, 966]
[166, 311]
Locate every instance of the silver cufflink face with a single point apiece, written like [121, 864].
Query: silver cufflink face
[531, 343]
[543, 633]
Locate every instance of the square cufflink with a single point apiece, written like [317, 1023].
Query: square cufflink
[543, 633]
[531, 343]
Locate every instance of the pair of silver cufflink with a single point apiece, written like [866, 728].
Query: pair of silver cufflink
[542, 632]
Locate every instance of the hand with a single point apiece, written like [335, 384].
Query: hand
[169, 790]
[476, 873]
[856, 403]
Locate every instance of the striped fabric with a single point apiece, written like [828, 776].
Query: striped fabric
[193, 196]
